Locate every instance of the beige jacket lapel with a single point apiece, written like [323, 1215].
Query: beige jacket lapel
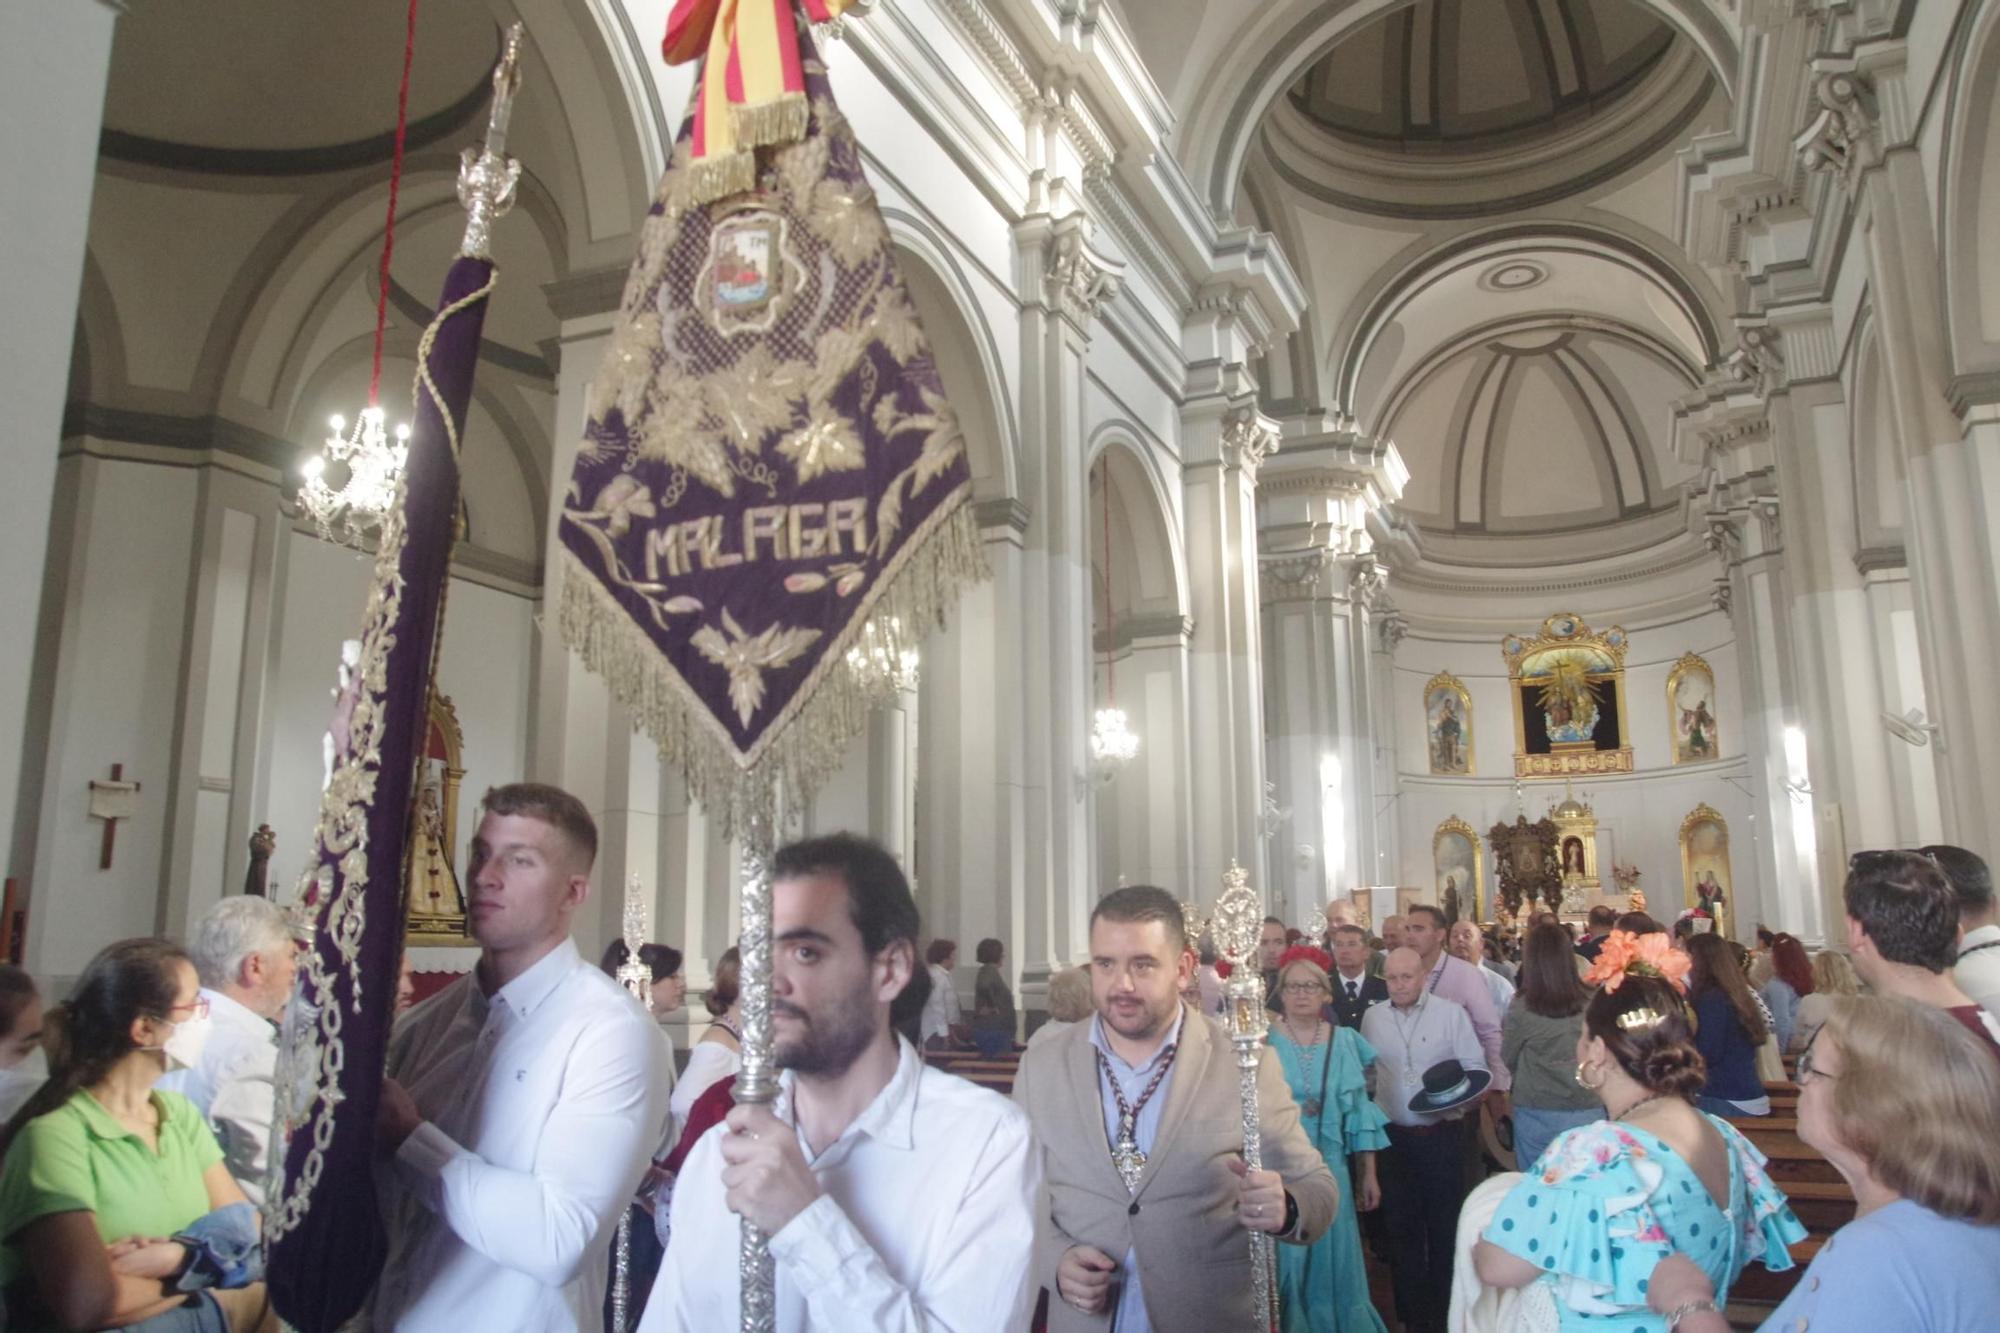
[1184, 1088]
[1088, 1090]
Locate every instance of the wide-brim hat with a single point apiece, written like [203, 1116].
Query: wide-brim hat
[1449, 1084]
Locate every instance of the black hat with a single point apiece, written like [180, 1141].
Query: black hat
[1449, 1084]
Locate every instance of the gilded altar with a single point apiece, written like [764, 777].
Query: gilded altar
[1568, 684]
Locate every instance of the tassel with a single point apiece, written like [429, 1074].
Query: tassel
[775, 122]
[713, 178]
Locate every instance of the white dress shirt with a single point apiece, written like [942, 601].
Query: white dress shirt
[709, 1062]
[1409, 1041]
[1501, 988]
[1978, 970]
[234, 1087]
[542, 1104]
[927, 1221]
[941, 1009]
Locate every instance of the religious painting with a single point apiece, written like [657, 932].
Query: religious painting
[1448, 725]
[1691, 711]
[1569, 699]
[1525, 865]
[1455, 858]
[436, 902]
[1705, 878]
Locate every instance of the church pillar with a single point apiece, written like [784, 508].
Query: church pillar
[1224, 440]
[1863, 138]
[1321, 585]
[1064, 280]
[54, 60]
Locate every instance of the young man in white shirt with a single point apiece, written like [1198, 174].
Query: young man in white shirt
[523, 1101]
[896, 1197]
[247, 958]
[1977, 968]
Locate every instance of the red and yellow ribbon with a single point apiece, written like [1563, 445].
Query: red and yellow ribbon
[760, 96]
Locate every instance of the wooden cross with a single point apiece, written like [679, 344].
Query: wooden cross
[112, 801]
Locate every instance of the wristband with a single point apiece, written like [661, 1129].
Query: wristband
[1291, 1215]
[1686, 1308]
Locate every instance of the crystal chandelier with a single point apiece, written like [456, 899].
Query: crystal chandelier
[348, 512]
[1113, 744]
[881, 658]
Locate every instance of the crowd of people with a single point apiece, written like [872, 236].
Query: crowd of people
[531, 1103]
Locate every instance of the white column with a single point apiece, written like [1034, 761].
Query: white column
[1063, 281]
[54, 60]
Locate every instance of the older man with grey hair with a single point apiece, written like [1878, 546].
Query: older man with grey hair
[244, 950]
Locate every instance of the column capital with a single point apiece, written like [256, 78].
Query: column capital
[1844, 136]
[1248, 437]
[1078, 278]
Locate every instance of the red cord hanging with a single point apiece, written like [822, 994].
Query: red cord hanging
[389, 226]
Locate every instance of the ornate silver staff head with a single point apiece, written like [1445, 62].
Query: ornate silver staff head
[487, 177]
[633, 974]
[1238, 920]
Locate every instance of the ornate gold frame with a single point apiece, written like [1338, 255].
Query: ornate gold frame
[1690, 662]
[1566, 629]
[1707, 814]
[1471, 835]
[424, 927]
[1444, 680]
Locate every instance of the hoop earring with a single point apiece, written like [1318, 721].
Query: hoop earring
[1582, 1082]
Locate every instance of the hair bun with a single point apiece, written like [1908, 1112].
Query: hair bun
[1673, 1069]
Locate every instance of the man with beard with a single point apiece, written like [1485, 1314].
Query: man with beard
[896, 1197]
[1149, 1201]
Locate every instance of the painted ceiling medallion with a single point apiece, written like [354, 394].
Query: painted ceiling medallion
[1514, 275]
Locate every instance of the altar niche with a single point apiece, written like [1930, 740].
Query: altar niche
[1568, 686]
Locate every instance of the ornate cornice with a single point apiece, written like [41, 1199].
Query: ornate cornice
[1844, 137]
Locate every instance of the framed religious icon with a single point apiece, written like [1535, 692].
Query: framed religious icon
[1705, 878]
[1456, 861]
[1569, 699]
[1448, 725]
[436, 911]
[1691, 711]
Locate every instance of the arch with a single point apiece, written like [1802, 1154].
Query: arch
[961, 338]
[1290, 35]
[1144, 502]
[1970, 177]
[97, 367]
[1690, 292]
[1874, 457]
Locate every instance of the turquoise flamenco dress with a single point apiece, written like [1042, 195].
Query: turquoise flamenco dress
[1323, 1287]
[1608, 1201]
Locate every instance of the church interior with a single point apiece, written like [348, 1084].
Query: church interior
[1509, 455]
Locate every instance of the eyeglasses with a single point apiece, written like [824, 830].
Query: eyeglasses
[1304, 988]
[1888, 856]
[195, 1008]
[1807, 1069]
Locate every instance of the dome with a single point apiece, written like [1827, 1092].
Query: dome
[1478, 74]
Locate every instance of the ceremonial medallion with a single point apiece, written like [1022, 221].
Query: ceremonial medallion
[750, 271]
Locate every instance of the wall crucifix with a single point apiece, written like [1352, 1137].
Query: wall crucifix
[112, 801]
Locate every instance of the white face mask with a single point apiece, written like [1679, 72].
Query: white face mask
[19, 1083]
[183, 1049]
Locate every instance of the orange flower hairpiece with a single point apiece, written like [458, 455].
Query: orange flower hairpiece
[1651, 955]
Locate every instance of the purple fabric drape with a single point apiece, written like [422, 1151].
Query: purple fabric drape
[329, 1241]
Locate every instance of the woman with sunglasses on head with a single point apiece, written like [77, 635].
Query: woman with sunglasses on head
[1902, 1101]
[116, 1209]
[1610, 1201]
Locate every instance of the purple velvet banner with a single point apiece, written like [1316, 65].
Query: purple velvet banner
[326, 1242]
[769, 461]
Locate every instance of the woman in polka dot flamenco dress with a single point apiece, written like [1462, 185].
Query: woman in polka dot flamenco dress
[1609, 1200]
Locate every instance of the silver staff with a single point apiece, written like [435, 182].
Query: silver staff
[636, 977]
[757, 1081]
[1238, 920]
[487, 177]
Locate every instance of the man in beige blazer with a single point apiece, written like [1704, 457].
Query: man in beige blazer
[1154, 1084]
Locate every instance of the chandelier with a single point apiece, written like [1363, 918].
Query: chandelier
[348, 512]
[882, 659]
[1113, 744]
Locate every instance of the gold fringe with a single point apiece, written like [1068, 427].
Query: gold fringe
[807, 743]
[713, 178]
[780, 121]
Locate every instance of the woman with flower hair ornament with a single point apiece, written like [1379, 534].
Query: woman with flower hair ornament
[1610, 1200]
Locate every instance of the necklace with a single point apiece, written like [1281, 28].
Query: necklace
[1125, 1154]
[1643, 1101]
[1408, 1033]
[1310, 1055]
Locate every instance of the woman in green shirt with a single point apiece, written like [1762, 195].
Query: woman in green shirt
[102, 1176]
